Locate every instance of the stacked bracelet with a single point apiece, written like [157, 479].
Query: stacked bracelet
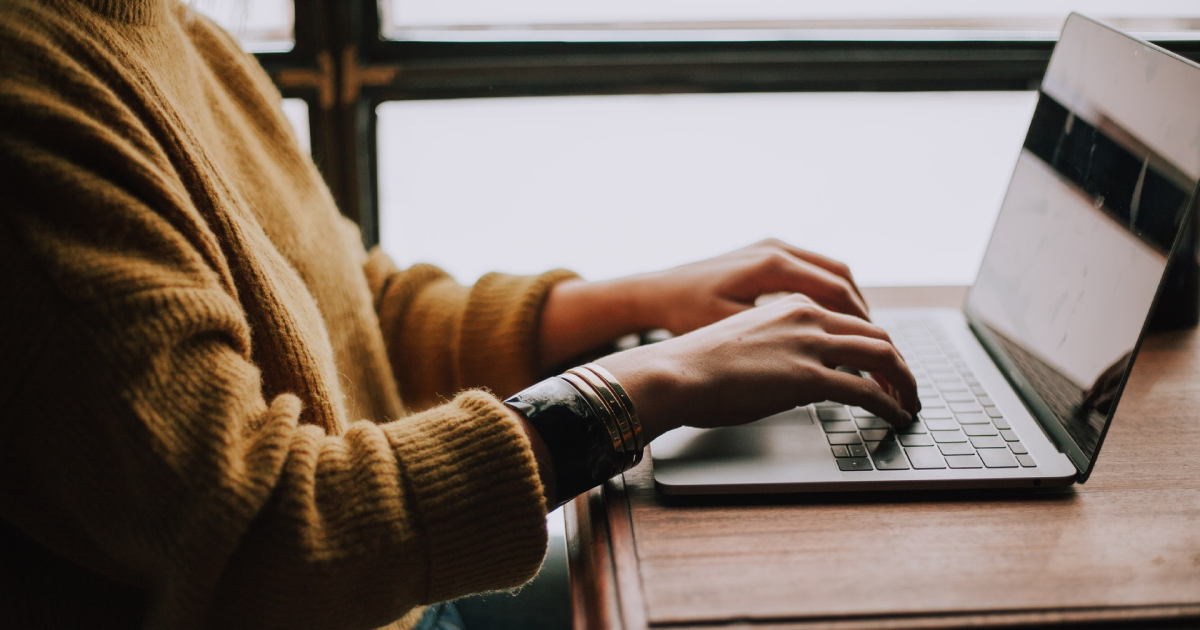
[588, 424]
[617, 407]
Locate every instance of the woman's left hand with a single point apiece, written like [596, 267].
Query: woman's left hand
[695, 295]
[581, 315]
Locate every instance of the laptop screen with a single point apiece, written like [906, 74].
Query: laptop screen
[1101, 188]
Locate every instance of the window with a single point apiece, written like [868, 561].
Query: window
[548, 20]
[672, 113]
[614, 185]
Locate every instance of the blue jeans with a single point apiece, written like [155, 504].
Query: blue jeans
[441, 616]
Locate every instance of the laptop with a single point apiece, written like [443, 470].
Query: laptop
[1020, 385]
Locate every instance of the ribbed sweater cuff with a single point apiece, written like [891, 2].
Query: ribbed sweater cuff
[477, 494]
[499, 339]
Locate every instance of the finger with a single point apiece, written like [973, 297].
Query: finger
[877, 357]
[827, 289]
[839, 324]
[828, 264]
[865, 393]
[842, 324]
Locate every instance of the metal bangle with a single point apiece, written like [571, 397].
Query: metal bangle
[623, 396]
[601, 411]
[610, 400]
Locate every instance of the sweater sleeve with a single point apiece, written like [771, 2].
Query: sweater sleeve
[443, 337]
[138, 443]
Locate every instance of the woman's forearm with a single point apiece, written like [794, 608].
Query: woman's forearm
[580, 316]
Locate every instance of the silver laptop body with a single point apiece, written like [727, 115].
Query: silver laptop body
[1019, 386]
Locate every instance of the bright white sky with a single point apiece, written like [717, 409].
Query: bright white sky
[903, 187]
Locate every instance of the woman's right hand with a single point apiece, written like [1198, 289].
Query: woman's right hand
[763, 361]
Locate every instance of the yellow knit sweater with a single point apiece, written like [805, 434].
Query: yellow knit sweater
[201, 370]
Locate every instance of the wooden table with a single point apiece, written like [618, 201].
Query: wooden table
[1125, 546]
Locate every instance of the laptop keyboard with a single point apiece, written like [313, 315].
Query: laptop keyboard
[959, 425]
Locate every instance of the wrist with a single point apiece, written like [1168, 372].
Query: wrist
[581, 316]
[628, 303]
[653, 380]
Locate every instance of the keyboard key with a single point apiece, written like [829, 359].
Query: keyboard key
[986, 400]
[839, 426]
[936, 414]
[958, 397]
[957, 461]
[833, 414]
[1009, 436]
[943, 370]
[916, 440]
[965, 407]
[972, 418]
[927, 392]
[979, 429]
[859, 412]
[914, 428]
[997, 458]
[925, 458]
[840, 451]
[878, 434]
[854, 463]
[956, 449]
[952, 377]
[931, 401]
[871, 423]
[1026, 461]
[828, 404]
[889, 456]
[993, 412]
[952, 386]
[857, 450]
[941, 437]
[843, 438]
[978, 390]
[988, 441]
[941, 425]
[1018, 448]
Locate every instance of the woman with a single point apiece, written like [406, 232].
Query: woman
[220, 411]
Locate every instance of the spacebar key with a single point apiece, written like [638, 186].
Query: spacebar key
[888, 456]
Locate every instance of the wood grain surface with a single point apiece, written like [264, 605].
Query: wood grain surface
[1125, 546]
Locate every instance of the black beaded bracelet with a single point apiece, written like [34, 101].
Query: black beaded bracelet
[584, 449]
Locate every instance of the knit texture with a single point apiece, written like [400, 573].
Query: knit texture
[203, 370]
